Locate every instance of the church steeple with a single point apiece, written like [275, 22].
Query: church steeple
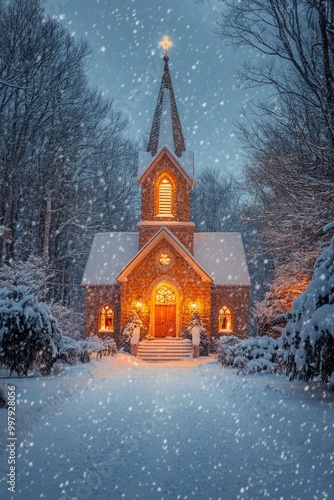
[166, 126]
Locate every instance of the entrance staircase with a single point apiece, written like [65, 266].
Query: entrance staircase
[165, 349]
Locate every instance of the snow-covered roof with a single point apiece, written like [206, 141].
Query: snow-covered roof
[109, 254]
[164, 233]
[185, 161]
[222, 255]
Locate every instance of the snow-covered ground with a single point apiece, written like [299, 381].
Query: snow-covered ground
[116, 428]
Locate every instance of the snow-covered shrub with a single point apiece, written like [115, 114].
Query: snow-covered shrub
[33, 273]
[29, 337]
[257, 354]
[196, 326]
[225, 351]
[130, 329]
[308, 339]
[89, 345]
[82, 349]
[70, 322]
[70, 352]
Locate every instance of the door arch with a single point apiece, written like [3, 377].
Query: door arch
[165, 299]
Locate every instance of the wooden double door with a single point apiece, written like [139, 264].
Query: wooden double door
[165, 320]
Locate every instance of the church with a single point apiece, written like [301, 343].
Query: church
[166, 271]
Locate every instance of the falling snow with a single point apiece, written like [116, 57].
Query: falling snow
[117, 428]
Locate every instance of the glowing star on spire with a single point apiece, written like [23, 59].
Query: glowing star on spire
[165, 44]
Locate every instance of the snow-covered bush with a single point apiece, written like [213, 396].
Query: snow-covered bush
[75, 350]
[197, 328]
[308, 339]
[87, 346]
[257, 354]
[70, 352]
[33, 272]
[70, 322]
[131, 328]
[29, 337]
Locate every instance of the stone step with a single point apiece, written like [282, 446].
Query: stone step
[165, 349]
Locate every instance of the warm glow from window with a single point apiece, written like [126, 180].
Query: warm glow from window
[164, 259]
[165, 197]
[106, 319]
[225, 319]
[165, 295]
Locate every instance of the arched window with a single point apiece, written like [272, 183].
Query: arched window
[106, 319]
[165, 197]
[225, 319]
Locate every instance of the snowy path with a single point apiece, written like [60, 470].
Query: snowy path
[161, 432]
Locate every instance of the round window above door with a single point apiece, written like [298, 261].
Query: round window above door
[164, 260]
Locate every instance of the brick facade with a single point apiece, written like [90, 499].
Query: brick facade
[95, 297]
[140, 283]
[183, 232]
[139, 278]
[237, 299]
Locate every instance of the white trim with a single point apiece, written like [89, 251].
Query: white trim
[166, 234]
[167, 151]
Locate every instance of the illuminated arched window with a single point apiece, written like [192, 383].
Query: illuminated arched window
[225, 319]
[165, 197]
[106, 319]
[165, 295]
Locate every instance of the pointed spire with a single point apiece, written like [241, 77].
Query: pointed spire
[166, 126]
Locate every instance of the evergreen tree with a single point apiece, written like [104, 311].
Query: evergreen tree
[196, 322]
[133, 323]
[308, 339]
[29, 337]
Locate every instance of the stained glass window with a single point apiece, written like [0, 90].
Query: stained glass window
[225, 319]
[165, 295]
[164, 259]
[106, 320]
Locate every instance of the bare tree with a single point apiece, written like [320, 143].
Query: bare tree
[215, 200]
[59, 139]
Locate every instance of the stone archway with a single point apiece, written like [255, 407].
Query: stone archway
[165, 297]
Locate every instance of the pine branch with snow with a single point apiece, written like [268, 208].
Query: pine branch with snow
[253, 355]
[197, 332]
[33, 273]
[308, 339]
[133, 327]
[29, 337]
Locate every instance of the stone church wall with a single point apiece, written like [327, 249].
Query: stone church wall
[237, 299]
[136, 289]
[96, 296]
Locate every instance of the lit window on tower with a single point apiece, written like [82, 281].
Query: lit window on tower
[165, 197]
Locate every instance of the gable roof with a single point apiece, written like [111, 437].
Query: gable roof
[163, 233]
[220, 255]
[109, 254]
[153, 161]
[223, 257]
[166, 126]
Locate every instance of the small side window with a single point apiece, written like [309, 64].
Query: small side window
[225, 319]
[106, 319]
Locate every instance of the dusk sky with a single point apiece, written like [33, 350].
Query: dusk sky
[127, 65]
